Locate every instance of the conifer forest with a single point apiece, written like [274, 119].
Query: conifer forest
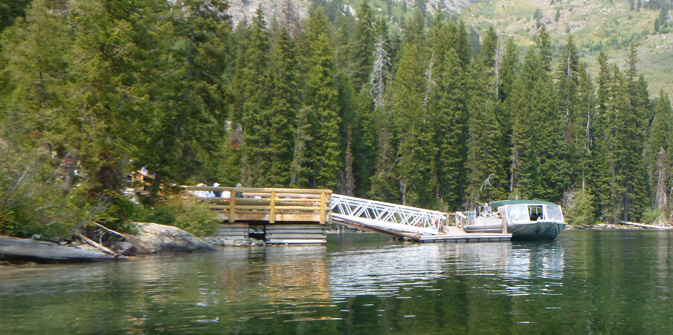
[425, 112]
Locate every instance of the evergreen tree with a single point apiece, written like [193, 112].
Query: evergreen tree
[37, 52]
[321, 98]
[187, 107]
[362, 48]
[659, 146]
[586, 119]
[570, 105]
[449, 105]
[525, 181]
[284, 108]
[104, 92]
[488, 59]
[416, 151]
[509, 70]
[256, 105]
[485, 180]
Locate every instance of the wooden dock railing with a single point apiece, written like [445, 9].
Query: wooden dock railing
[265, 204]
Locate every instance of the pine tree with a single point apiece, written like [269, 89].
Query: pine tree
[284, 109]
[37, 52]
[107, 43]
[637, 120]
[586, 119]
[485, 178]
[363, 44]
[321, 98]
[449, 105]
[488, 60]
[543, 45]
[185, 136]
[414, 126]
[569, 104]
[510, 69]
[256, 105]
[658, 151]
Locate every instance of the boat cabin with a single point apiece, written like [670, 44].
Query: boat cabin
[528, 210]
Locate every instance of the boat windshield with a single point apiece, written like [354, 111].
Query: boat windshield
[554, 213]
[517, 212]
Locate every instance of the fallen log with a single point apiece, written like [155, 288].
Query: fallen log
[108, 230]
[644, 225]
[97, 246]
[22, 250]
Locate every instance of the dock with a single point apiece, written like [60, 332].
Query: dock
[274, 215]
[405, 222]
[299, 216]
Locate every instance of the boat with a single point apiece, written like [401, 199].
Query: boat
[524, 219]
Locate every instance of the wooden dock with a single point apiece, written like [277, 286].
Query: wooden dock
[279, 215]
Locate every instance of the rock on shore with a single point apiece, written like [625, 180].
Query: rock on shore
[154, 238]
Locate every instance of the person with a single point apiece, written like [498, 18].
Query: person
[200, 193]
[218, 194]
[487, 208]
[239, 194]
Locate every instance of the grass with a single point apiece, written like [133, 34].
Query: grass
[595, 26]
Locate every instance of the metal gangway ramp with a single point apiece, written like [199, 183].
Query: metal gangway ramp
[383, 215]
[405, 222]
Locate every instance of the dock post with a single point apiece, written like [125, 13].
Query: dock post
[272, 209]
[322, 207]
[232, 208]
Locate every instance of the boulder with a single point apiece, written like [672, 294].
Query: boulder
[153, 238]
[17, 250]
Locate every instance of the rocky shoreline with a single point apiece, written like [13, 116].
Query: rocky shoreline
[151, 239]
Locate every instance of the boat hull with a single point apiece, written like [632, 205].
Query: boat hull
[540, 230]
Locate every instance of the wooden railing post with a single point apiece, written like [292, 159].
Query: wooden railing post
[322, 207]
[272, 210]
[232, 207]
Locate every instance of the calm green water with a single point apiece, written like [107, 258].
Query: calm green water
[608, 282]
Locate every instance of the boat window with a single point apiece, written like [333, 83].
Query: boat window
[554, 213]
[517, 212]
[535, 213]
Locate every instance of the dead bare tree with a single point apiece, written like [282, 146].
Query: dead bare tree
[378, 76]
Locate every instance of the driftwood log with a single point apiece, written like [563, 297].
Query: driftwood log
[22, 250]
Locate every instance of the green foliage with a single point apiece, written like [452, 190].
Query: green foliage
[31, 194]
[193, 217]
[580, 211]
[321, 98]
[10, 10]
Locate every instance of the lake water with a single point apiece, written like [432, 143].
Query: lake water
[585, 282]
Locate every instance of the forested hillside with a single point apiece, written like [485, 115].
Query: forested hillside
[423, 114]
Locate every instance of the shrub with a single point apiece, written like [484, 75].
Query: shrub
[194, 217]
[32, 202]
[578, 208]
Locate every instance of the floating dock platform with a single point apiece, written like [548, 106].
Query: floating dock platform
[448, 234]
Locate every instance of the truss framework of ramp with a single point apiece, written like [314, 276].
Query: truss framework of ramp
[377, 214]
